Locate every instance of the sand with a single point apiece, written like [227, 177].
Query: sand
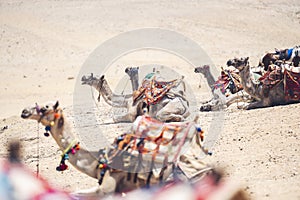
[44, 45]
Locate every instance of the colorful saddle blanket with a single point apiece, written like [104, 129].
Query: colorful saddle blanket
[229, 81]
[292, 85]
[271, 78]
[154, 142]
[152, 91]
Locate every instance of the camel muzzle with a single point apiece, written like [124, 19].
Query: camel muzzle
[83, 80]
[26, 113]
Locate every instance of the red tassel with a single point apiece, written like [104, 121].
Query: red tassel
[62, 167]
[77, 147]
[56, 115]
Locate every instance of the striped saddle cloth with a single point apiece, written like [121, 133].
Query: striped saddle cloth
[153, 144]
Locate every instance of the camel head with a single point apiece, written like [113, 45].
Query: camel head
[238, 63]
[90, 79]
[131, 70]
[93, 81]
[202, 69]
[47, 114]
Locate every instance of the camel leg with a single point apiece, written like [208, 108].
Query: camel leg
[128, 117]
[175, 111]
[237, 97]
[213, 105]
[122, 118]
[254, 105]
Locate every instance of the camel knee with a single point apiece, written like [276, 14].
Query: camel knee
[169, 117]
[205, 108]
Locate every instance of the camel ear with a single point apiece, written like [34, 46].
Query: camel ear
[56, 105]
[102, 77]
[92, 75]
[246, 59]
[228, 63]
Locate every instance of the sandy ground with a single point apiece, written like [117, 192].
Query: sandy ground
[43, 45]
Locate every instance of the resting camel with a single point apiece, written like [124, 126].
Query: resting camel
[172, 106]
[291, 54]
[52, 117]
[220, 101]
[265, 96]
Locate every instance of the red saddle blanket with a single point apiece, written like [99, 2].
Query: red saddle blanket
[229, 81]
[271, 78]
[152, 91]
[292, 85]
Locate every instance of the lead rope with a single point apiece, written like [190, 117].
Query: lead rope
[94, 98]
[38, 151]
[99, 94]
[200, 82]
[122, 93]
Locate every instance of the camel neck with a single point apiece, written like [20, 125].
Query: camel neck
[109, 97]
[210, 78]
[134, 78]
[249, 86]
[81, 158]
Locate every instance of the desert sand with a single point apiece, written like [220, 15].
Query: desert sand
[44, 45]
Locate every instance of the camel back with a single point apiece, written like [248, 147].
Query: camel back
[152, 144]
[152, 91]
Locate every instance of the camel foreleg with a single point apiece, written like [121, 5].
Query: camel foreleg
[254, 105]
[174, 111]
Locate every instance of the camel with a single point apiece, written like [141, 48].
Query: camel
[264, 96]
[113, 180]
[291, 54]
[219, 101]
[173, 106]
